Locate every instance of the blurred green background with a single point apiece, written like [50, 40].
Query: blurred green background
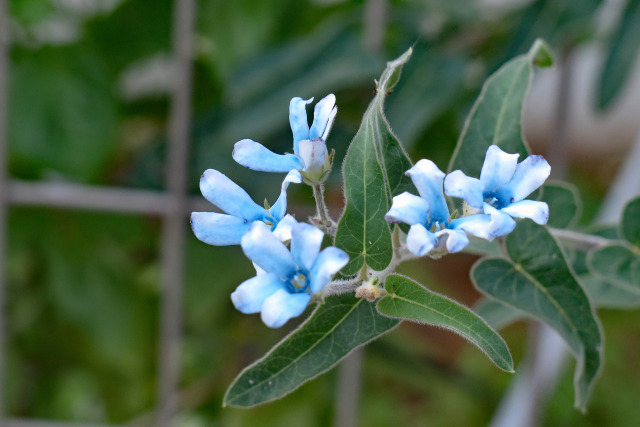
[89, 100]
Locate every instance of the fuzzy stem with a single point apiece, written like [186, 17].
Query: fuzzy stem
[321, 207]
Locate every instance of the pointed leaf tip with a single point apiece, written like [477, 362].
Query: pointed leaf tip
[540, 54]
[391, 74]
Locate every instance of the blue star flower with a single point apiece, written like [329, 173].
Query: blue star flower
[310, 154]
[428, 215]
[286, 278]
[503, 185]
[241, 211]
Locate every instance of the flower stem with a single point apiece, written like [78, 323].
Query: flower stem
[322, 212]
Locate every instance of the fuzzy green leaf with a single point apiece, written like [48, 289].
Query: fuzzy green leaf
[538, 281]
[564, 203]
[339, 325]
[411, 301]
[496, 116]
[617, 263]
[630, 225]
[373, 172]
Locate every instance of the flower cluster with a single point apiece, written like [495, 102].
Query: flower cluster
[287, 276]
[492, 200]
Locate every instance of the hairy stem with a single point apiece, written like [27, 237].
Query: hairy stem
[322, 212]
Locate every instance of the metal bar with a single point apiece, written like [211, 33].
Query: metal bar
[174, 225]
[4, 104]
[348, 390]
[124, 200]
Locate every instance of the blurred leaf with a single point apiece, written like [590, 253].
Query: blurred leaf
[496, 116]
[432, 82]
[608, 295]
[564, 203]
[411, 301]
[560, 22]
[373, 171]
[619, 263]
[62, 114]
[340, 324]
[630, 225]
[496, 314]
[538, 281]
[622, 52]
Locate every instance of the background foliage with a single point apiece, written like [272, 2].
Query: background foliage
[88, 104]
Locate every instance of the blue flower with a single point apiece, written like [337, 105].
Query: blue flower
[428, 215]
[286, 278]
[503, 185]
[310, 154]
[241, 211]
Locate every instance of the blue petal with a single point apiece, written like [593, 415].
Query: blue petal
[428, 180]
[253, 155]
[279, 208]
[457, 184]
[249, 297]
[313, 154]
[323, 116]
[284, 228]
[327, 263]
[530, 174]
[305, 244]
[282, 306]
[501, 223]
[498, 168]
[420, 241]
[478, 225]
[218, 229]
[456, 240]
[408, 208]
[298, 120]
[228, 196]
[537, 211]
[269, 253]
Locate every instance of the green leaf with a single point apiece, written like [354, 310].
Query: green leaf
[410, 300]
[564, 203]
[618, 264]
[622, 53]
[339, 325]
[630, 225]
[608, 295]
[496, 116]
[496, 314]
[538, 281]
[373, 172]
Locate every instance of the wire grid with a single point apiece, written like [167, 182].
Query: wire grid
[172, 205]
